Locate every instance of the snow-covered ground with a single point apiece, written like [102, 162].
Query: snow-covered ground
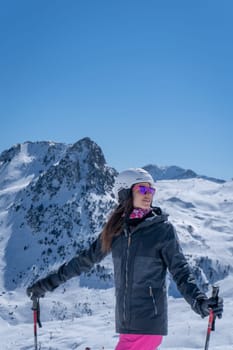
[74, 318]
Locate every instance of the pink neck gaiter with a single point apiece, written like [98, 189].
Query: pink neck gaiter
[138, 213]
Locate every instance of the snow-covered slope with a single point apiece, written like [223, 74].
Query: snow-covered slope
[201, 211]
[54, 199]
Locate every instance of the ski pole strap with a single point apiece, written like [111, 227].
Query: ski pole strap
[212, 317]
[209, 328]
[36, 309]
[215, 291]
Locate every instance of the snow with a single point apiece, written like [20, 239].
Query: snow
[187, 330]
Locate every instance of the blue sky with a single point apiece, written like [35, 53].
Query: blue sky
[151, 82]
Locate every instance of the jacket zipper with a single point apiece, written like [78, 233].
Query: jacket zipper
[126, 274]
[153, 299]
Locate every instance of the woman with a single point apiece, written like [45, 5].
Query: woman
[144, 245]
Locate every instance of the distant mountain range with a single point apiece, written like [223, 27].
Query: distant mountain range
[55, 198]
[174, 172]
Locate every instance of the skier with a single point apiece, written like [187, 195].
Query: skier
[144, 245]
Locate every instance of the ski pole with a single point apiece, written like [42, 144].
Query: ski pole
[36, 318]
[212, 318]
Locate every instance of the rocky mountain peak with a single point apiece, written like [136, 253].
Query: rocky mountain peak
[93, 152]
[61, 206]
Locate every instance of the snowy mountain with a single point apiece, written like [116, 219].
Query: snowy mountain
[174, 172]
[54, 199]
[57, 198]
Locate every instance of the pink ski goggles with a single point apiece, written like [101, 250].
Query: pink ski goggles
[144, 189]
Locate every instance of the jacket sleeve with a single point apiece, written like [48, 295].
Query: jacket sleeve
[179, 268]
[80, 263]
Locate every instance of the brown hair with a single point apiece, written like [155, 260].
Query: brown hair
[115, 223]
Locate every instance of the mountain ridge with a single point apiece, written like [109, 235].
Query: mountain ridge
[174, 172]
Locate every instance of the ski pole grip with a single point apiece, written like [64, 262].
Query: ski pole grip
[34, 303]
[215, 292]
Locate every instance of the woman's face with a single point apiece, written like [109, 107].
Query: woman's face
[142, 195]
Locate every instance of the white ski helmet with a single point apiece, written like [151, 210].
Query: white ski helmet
[127, 178]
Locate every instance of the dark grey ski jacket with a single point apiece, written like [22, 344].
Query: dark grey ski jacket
[141, 257]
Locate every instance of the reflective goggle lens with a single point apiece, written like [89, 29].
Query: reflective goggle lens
[144, 189]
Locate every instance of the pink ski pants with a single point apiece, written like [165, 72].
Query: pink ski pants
[138, 342]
